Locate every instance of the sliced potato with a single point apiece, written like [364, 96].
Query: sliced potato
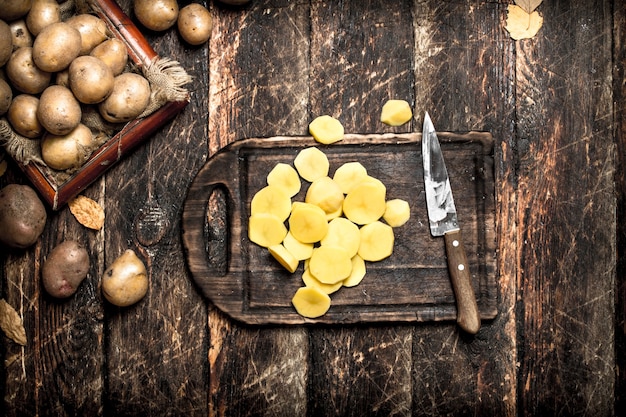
[311, 164]
[326, 194]
[344, 234]
[310, 281]
[330, 264]
[349, 175]
[266, 229]
[377, 240]
[308, 223]
[301, 251]
[396, 112]
[397, 212]
[358, 272]
[272, 200]
[286, 177]
[326, 129]
[365, 203]
[284, 257]
[311, 302]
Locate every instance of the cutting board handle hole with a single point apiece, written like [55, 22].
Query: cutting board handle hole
[216, 230]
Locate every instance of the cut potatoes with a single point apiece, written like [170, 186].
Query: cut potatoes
[311, 164]
[310, 302]
[344, 221]
[326, 129]
[376, 241]
[396, 113]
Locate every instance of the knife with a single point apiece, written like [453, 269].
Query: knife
[443, 222]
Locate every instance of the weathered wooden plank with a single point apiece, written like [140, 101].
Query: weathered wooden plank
[258, 88]
[156, 349]
[463, 65]
[566, 212]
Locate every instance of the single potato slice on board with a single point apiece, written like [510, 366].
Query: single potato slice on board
[397, 212]
[326, 129]
[301, 251]
[365, 203]
[272, 200]
[344, 234]
[284, 257]
[325, 193]
[307, 223]
[330, 264]
[349, 175]
[266, 229]
[310, 302]
[376, 241]
[310, 281]
[358, 272]
[311, 164]
[396, 112]
[285, 176]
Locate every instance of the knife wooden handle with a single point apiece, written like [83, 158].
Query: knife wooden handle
[468, 317]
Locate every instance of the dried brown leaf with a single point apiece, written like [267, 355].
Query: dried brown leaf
[11, 323]
[88, 212]
[528, 5]
[522, 25]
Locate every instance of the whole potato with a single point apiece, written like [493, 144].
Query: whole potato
[195, 24]
[56, 47]
[22, 216]
[22, 116]
[128, 99]
[24, 75]
[65, 268]
[69, 151]
[93, 31]
[42, 13]
[156, 15]
[21, 34]
[14, 9]
[59, 112]
[6, 97]
[91, 80]
[6, 43]
[126, 280]
[112, 52]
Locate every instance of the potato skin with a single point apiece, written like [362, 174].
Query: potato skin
[59, 112]
[112, 52]
[22, 116]
[195, 24]
[42, 13]
[22, 216]
[6, 97]
[6, 43]
[157, 15]
[20, 33]
[65, 268]
[128, 99]
[93, 31]
[14, 9]
[24, 75]
[56, 47]
[125, 281]
[91, 80]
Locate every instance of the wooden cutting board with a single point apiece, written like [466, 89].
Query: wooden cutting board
[412, 285]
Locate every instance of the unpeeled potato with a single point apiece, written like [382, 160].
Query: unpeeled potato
[64, 269]
[157, 15]
[125, 281]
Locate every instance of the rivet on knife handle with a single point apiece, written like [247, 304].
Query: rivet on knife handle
[468, 317]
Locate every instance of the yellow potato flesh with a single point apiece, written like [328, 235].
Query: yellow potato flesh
[330, 264]
[326, 129]
[349, 175]
[285, 177]
[376, 241]
[311, 164]
[271, 200]
[284, 257]
[365, 203]
[307, 223]
[344, 234]
[310, 281]
[358, 272]
[299, 250]
[397, 212]
[266, 229]
[396, 112]
[326, 194]
[310, 302]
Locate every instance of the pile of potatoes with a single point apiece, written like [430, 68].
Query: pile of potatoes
[54, 72]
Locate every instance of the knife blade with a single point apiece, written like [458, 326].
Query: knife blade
[443, 221]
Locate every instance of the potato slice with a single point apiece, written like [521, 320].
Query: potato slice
[311, 164]
[397, 212]
[307, 223]
[326, 194]
[310, 281]
[396, 112]
[310, 302]
[365, 203]
[285, 176]
[344, 234]
[349, 175]
[330, 264]
[326, 129]
[284, 257]
[358, 272]
[266, 229]
[301, 251]
[376, 241]
[272, 200]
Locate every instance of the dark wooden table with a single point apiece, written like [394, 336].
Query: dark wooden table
[555, 106]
